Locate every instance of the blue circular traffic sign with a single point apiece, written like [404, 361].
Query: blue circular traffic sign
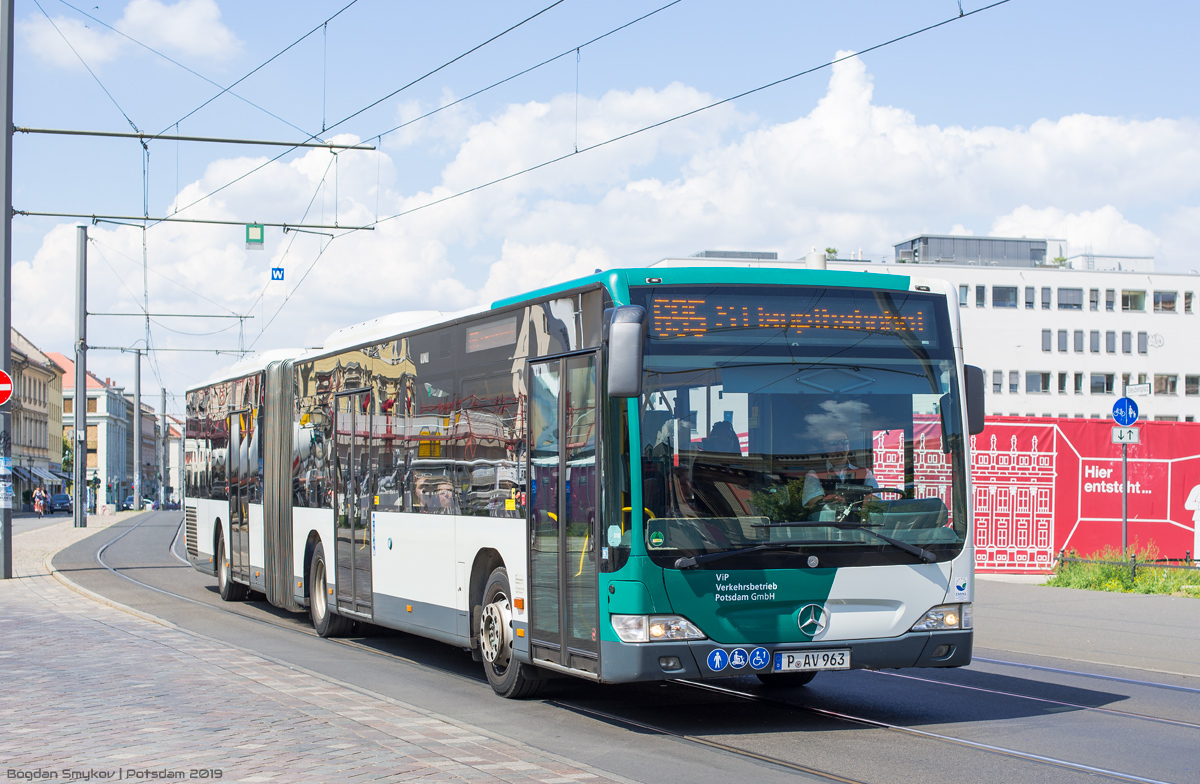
[1125, 412]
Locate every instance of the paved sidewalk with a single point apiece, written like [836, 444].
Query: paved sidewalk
[91, 690]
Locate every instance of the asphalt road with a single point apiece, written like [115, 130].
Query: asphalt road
[1063, 681]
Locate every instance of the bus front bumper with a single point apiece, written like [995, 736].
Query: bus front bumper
[628, 662]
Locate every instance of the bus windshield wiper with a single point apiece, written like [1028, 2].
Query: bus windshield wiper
[690, 562]
[899, 544]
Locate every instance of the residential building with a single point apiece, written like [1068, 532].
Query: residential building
[36, 417]
[148, 464]
[107, 434]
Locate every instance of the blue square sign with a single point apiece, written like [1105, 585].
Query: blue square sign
[276, 273]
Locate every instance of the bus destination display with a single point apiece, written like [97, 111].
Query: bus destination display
[677, 316]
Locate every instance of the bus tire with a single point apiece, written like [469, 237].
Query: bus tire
[230, 591]
[507, 676]
[785, 680]
[324, 620]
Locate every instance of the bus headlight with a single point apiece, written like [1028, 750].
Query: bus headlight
[653, 628]
[945, 616]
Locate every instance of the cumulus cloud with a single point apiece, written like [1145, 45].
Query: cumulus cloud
[96, 47]
[187, 28]
[847, 173]
[1104, 230]
[190, 27]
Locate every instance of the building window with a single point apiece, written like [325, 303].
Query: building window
[1094, 299]
[1070, 299]
[1110, 342]
[1166, 385]
[91, 405]
[1036, 383]
[1029, 297]
[1164, 302]
[1062, 340]
[1143, 343]
[1187, 302]
[1191, 385]
[1126, 342]
[1014, 382]
[1047, 339]
[962, 295]
[1078, 383]
[1078, 340]
[1004, 296]
[1045, 297]
[68, 405]
[1133, 300]
[1110, 298]
[1062, 383]
[997, 381]
[1102, 383]
[980, 296]
[1094, 341]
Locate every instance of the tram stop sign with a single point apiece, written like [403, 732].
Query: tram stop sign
[1125, 412]
[5, 387]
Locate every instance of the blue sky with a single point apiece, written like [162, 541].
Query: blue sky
[1068, 119]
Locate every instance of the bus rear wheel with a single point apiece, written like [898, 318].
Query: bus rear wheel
[324, 620]
[786, 680]
[230, 591]
[507, 676]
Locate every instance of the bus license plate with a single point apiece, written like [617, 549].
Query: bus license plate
[812, 660]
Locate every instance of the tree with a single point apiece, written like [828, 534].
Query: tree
[68, 456]
[831, 253]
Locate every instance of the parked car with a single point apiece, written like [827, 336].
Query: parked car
[127, 503]
[61, 502]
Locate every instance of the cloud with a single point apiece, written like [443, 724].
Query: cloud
[1104, 230]
[846, 172]
[188, 28]
[96, 47]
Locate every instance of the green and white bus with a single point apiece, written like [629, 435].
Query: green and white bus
[643, 474]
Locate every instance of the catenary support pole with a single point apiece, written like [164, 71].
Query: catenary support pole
[137, 428]
[6, 63]
[79, 404]
[161, 448]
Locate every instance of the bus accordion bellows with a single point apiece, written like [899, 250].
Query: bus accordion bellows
[643, 474]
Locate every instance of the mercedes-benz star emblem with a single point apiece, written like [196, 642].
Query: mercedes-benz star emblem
[812, 619]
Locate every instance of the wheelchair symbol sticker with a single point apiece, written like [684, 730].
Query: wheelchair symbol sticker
[759, 658]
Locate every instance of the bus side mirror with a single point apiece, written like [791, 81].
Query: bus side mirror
[975, 386]
[626, 337]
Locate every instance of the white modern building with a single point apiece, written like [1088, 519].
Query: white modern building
[1053, 341]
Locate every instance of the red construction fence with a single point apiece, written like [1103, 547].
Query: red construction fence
[1043, 485]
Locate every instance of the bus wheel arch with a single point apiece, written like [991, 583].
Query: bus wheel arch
[310, 547]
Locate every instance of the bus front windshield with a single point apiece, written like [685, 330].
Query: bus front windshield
[786, 422]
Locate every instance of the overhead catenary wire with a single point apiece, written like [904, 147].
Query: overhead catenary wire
[174, 62]
[392, 94]
[67, 41]
[684, 115]
[643, 129]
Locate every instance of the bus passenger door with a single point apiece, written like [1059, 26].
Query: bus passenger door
[238, 476]
[353, 492]
[563, 430]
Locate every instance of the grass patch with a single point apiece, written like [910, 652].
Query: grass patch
[1118, 578]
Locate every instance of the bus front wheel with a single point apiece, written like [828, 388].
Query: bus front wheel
[507, 676]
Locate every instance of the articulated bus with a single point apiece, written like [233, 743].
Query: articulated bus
[644, 474]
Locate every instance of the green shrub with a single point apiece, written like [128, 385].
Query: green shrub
[1119, 578]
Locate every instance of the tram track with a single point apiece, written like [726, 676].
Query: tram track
[839, 716]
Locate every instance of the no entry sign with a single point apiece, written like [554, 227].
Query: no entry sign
[5, 387]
